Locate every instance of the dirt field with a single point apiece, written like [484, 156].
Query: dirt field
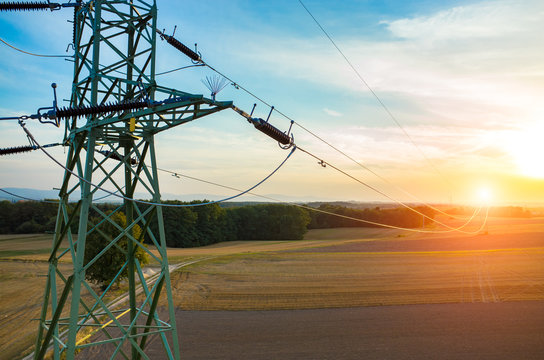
[502, 331]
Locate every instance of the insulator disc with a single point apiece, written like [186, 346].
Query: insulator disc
[181, 47]
[104, 109]
[272, 131]
[25, 6]
[16, 150]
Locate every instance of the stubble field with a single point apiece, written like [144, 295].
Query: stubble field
[370, 267]
[331, 268]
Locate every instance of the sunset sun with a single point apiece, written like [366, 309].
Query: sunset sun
[484, 195]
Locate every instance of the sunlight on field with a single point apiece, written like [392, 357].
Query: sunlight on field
[321, 280]
[371, 267]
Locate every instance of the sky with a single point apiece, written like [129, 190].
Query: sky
[455, 108]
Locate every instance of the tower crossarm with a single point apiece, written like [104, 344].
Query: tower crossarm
[159, 116]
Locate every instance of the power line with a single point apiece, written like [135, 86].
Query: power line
[29, 199]
[248, 191]
[237, 85]
[177, 69]
[376, 95]
[309, 208]
[196, 57]
[369, 169]
[29, 134]
[325, 163]
[176, 174]
[33, 54]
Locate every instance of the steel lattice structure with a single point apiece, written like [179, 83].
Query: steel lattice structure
[114, 63]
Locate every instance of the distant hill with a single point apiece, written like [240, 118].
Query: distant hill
[27, 194]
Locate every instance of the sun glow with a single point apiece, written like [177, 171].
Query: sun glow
[527, 150]
[484, 195]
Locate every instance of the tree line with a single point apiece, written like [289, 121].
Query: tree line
[184, 226]
[349, 217]
[209, 224]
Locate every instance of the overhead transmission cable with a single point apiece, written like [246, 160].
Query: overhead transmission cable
[376, 95]
[197, 59]
[26, 198]
[29, 134]
[33, 139]
[310, 208]
[325, 163]
[237, 85]
[33, 54]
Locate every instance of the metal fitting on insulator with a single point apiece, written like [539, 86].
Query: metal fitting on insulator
[271, 131]
[28, 6]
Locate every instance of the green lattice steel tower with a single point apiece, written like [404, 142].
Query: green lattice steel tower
[114, 43]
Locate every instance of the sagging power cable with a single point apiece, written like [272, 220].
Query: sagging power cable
[248, 191]
[26, 198]
[30, 136]
[325, 164]
[238, 86]
[309, 208]
[33, 54]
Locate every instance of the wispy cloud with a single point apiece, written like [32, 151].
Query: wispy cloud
[476, 63]
[332, 112]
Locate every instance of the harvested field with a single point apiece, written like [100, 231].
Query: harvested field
[320, 280]
[359, 270]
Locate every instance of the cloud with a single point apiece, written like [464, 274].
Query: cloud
[449, 148]
[485, 20]
[332, 112]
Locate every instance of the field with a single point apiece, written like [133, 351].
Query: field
[369, 267]
[331, 268]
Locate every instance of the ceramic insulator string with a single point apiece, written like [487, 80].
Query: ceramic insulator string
[28, 6]
[66, 113]
[181, 47]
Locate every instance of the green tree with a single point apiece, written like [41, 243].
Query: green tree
[105, 268]
[270, 222]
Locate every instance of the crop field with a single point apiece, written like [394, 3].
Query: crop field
[373, 267]
[330, 268]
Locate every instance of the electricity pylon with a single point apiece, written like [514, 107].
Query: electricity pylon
[109, 130]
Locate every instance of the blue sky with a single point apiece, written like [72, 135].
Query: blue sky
[463, 78]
